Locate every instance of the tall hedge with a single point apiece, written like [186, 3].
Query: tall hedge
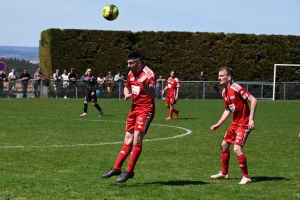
[251, 56]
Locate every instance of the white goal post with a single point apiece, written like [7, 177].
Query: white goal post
[274, 79]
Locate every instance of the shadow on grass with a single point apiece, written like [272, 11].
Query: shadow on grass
[267, 178]
[179, 182]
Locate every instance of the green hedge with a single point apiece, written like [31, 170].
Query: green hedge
[251, 56]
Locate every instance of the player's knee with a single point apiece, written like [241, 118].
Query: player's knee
[224, 146]
[85, 102]
[237, 150]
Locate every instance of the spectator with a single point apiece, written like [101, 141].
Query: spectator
[2, 79]
[172, 95]
[109, 84]
[72, 82]
[201, 79]
[101, 83]
[119, 77]
[140, 87]
[25, 77]
[57, 79]
[12, 77]
[38, 77]
[65, 79]
[90, 96]
[159, 87]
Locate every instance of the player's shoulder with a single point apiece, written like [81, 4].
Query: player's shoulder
[236, 87]
[176, 79]
[129, 73]
[149, 72]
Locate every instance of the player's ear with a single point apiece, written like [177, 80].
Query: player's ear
[229, 77]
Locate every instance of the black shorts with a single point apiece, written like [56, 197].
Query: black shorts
[90, 98]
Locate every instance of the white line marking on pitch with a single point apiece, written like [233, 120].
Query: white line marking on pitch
[106, 143]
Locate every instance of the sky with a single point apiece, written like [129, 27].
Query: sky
[22, 21]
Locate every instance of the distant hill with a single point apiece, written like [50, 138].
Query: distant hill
[25, 53]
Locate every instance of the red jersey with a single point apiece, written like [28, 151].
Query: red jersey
[235, 99]
[139, 96]
[173, 84]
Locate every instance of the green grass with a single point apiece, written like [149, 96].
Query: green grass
[49, 152]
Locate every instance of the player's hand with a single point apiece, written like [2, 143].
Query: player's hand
[214, 127]
[93, 93]
[251, 125]
[127, 96]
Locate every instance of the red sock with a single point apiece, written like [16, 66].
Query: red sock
[225, 156]
[136, 152]
[125, 151]
[171, 112]
[243, 164]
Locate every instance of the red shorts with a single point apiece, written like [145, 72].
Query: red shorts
[139, 120]
[237, 135]
[170, 100]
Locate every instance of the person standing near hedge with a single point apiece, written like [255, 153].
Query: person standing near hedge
[12, 77]
[109, 84]
[25, 77]
[38, 77]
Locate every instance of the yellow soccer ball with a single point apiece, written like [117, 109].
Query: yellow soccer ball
[110, 12]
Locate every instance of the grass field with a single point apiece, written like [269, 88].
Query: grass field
[49, 152]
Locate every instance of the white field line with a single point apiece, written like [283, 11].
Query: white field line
[99, 144]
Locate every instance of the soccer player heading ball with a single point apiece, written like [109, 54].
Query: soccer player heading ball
[235, 101]
[140, 87]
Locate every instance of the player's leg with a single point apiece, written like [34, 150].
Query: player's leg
[174, 110]
[85, 104]
[85, 108]
[228, 139]
[143, 121]
[168, 105]
[225, 157]
[126, 148]
[241, 157]
[94, 102]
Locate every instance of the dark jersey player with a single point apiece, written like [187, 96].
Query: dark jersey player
[140, 87]
[90, 95]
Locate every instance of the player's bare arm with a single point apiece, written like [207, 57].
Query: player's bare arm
[253, 105]
[225, 115]
[127, 93]
[163, 91]
[177, 92]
